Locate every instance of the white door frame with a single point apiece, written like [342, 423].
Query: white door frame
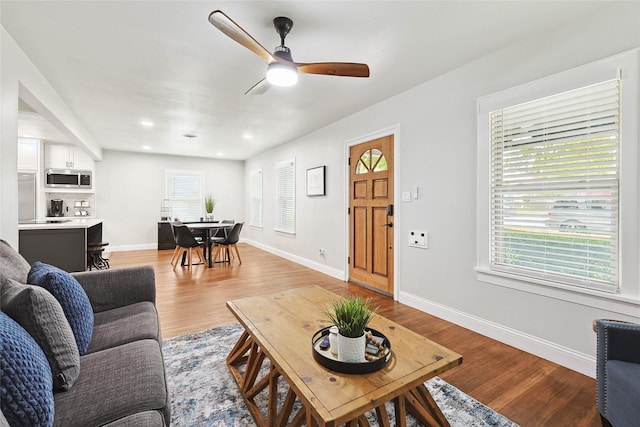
[395, 131]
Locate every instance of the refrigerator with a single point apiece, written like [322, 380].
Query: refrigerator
[26, 196]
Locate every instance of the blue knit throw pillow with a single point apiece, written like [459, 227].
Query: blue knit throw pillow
[73, 299]
[26, 384]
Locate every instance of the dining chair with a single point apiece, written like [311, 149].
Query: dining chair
[224, 246]
[185, 241]
[221, 232]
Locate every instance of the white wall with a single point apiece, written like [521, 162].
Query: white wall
[437, 153]
[130, 189]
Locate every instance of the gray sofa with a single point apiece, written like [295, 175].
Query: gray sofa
[119, 379]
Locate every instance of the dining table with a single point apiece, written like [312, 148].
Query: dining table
[208, 228]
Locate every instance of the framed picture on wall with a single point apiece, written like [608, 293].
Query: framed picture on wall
[315, 181]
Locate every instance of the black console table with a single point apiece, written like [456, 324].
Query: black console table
[165, 236]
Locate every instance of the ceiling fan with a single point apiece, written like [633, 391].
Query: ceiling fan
[281, 69]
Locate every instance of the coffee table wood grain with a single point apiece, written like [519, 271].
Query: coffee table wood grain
[279, 328]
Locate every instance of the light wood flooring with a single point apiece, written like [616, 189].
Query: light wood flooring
[526, 389]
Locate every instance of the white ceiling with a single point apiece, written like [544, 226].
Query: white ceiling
[116, 63]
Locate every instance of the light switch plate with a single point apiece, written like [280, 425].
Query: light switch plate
[406, 196]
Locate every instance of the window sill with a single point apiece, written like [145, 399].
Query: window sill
[622, 304]
[289, 232]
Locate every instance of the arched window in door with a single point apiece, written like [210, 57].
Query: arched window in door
[371, 161]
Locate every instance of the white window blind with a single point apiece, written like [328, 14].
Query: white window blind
[184, 189]
[286, 196]
[554, 187]
[255, 195]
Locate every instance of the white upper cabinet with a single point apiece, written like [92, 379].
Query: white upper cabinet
[28, 150]
[63, 156]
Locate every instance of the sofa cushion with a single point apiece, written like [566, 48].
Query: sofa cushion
[124, 325]
[115, 383]
[26, 396]
[73, 299]
[12, 264]
[623, 389]
[40, 314]
[140, 419]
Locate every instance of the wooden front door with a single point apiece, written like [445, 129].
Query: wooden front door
[371, 214]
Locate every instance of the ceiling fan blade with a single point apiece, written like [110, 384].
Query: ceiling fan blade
[259, 88]
[347, 69]
[228, 26]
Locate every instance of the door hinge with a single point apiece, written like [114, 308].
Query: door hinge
[349, 260]
[349, 161]
[349, 211]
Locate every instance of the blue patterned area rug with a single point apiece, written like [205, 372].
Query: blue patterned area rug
[203, 392]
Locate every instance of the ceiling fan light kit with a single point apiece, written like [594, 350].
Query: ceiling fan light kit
[281, 70]
[282, 75]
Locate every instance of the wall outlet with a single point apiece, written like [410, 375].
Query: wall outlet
[418, 239]
[321, 252]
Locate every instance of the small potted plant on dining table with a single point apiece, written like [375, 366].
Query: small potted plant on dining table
[209, 206]
[351, 315]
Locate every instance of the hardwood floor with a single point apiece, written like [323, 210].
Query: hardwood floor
[528, 390]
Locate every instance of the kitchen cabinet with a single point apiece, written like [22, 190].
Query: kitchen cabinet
[65, 156]
[62, 244]
[28, 153]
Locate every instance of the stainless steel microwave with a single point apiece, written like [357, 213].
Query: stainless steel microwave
[68, 178]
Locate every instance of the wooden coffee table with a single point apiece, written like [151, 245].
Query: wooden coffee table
[279, 328]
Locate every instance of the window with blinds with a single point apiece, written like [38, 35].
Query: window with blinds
[255, 196]
[554, 187]
[184, 189]
[286, 196]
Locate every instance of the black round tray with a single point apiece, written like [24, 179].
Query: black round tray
[326, 359]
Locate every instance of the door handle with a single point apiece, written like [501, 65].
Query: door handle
[390, 224]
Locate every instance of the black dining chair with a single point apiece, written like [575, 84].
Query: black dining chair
[224, 246]
[185, 241]
[221, 233]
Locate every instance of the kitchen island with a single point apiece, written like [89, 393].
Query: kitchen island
[59, 241]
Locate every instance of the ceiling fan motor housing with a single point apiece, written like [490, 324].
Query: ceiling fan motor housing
[283, 52]
[283, 26]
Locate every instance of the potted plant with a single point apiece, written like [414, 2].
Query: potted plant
[209, 206]
[351, 316]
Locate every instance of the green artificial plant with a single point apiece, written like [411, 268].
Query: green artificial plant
[209, 203]
[351, 315]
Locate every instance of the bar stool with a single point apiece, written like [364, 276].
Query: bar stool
[94, 256]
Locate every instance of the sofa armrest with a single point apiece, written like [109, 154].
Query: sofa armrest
[618, 340]
[113, 288]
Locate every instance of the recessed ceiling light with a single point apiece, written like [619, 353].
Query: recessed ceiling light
[220, 154]
[146, 123]
[247, 136]
[146, 147]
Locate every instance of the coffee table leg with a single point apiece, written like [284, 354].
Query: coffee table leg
[421, 405]
[247, 352]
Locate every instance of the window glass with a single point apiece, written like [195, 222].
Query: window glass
[185, 191]
[554, 187]
[255, 196]
[285, 197]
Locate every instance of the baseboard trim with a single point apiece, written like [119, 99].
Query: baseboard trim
[124, 248]
[329, 271]
[563, 356]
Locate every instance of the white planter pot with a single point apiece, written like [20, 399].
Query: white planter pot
[351, 350]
